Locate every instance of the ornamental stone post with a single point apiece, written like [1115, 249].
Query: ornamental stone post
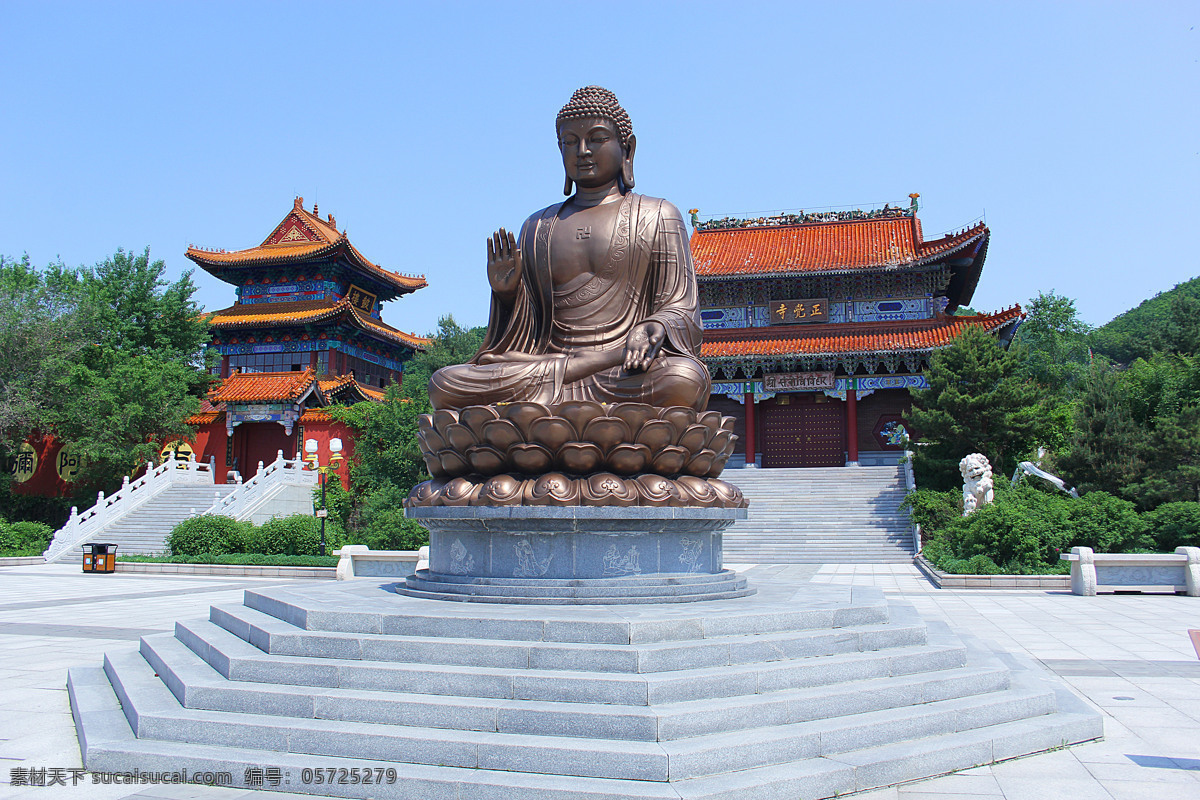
[1192, 570]
[1083, 572]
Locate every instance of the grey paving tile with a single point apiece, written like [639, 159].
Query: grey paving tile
[1140, 790]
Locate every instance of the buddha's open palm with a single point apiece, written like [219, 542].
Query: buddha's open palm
[503, 262]
[642, 345]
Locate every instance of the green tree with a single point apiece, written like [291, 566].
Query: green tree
[1167, 322]
[41, 331]
[1106, 451]
[143, 376]
[385, 442]
[452, 344]
[109, 358]
[1138, 431]
[387, 459]
[1054, 342]
[978, 400]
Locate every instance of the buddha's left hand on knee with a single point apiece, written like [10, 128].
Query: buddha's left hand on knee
[643, 344]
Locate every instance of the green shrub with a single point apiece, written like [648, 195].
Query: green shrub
[24, 538]
[1175, 525]
[206, 534]
[383, 525]
[298, 535]
[1027, 528]
[1021, 533]
[391, 530]
[243, 559]
[975, 565]
[247, 538]
[1105, 523]
[932, 510]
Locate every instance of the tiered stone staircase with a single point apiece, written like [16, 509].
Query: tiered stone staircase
[801, 691]
[830, 515]
[145, 530]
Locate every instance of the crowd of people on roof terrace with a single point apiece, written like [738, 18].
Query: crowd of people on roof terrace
[888, 211]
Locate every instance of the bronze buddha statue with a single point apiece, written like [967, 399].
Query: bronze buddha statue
[596, 298]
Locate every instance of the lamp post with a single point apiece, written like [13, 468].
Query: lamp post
[335, 455]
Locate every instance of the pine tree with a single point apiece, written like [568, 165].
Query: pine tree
[978, 401]
[1106, 451]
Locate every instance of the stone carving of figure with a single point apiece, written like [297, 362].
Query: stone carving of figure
[977, 482]
[596, 298]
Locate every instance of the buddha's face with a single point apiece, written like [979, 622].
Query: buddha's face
[591, 151]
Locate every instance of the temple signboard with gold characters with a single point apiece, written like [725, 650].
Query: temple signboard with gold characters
[790, 312]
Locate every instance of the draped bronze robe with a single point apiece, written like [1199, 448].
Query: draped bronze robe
[648, 276]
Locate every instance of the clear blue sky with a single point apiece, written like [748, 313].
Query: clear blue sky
[423, 127]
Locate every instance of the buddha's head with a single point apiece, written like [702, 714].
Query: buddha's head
[595, 137]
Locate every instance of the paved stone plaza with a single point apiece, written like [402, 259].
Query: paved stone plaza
[1129, 655]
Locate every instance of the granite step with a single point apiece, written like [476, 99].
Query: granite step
[782, 731]
[274, 636]
[196, 685]
[780, 720]
[866, 606]
[236, 659]
[109, 745]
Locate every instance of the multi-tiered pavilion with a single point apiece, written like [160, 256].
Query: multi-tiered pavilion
[817, 325]
[306, 331]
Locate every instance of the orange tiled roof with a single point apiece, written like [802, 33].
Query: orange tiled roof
[315, 415]
[303, 236]
[207, 413]
[303, 312]
[263, 387]
[865, 337]
[372, 392]
[339, 384]
[331, 385]
[824, 247]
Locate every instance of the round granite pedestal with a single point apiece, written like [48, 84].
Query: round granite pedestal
[575, 554]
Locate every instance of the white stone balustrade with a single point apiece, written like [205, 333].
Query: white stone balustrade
[1092, 572]
[910, 486]
[131, 496]
[241, 502]
[359, 561]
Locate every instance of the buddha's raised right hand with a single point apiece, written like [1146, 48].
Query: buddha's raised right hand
[503, 263]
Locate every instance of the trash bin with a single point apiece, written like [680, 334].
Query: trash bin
[100, 557]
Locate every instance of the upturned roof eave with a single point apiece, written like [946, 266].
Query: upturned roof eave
[261, 256]
[341, 309]
[926, 263]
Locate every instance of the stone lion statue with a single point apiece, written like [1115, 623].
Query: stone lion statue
[977, 482]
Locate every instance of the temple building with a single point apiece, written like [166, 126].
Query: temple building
[306, 331]
[817, 325]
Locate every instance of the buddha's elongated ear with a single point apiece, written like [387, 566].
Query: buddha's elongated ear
[627, 164]
[569, 186]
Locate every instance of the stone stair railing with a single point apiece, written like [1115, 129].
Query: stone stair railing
[131, 496]
[241, 502]
[910, 486]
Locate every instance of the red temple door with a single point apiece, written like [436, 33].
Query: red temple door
[804, 433]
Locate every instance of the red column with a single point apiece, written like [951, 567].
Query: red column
[852, 421]
[749, 403]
